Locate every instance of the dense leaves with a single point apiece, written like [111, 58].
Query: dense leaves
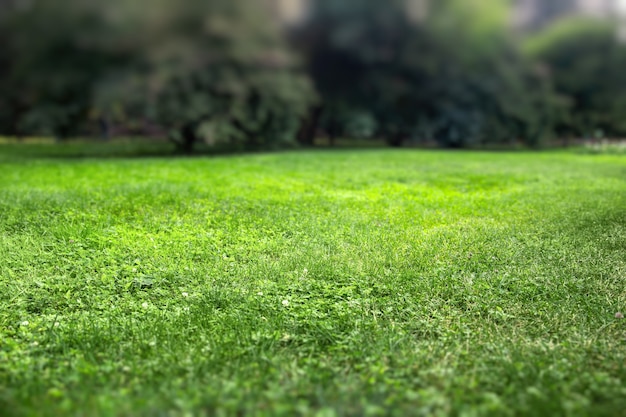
[236, 87]
[384, 72]
[232, 74]
[587, 62]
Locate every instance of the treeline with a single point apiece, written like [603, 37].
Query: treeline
[234, 74]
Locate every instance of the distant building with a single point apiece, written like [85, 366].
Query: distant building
[418, 9]
[290, 12]
[535, 14]
[528, 15]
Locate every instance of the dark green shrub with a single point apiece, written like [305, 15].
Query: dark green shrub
[229, 79]
[456, 78]
[586, 63]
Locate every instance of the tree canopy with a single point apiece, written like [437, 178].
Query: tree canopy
[228, 73]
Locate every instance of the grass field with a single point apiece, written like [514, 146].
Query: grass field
[371, 282]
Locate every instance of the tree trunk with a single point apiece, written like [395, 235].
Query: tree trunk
[188, 138]
[396, 140]
[105, 128]
[308, 130]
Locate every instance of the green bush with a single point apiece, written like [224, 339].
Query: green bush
[52, 56]
[228, 78]
[456, 78]
[240, 108]
[586, 63]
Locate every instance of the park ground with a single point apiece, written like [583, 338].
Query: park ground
[347, 282]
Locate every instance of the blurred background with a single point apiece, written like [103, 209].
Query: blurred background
[268, 74]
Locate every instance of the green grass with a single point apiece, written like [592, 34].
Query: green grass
[370, 282]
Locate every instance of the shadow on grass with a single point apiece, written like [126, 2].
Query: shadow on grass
[86, 150]
[135, 148]
[143, 148]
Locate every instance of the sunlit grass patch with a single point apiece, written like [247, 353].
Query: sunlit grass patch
[359, 282]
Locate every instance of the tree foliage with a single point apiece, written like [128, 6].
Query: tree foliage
[586, 63]
[235, 84]
[53, 57]
[223, 72]
[192, 67]
[457, 78]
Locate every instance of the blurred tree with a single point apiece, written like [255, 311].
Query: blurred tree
[456, 77]
[586, 63]
[224, 74]
[488, 91]
[221, 71]
[352, 50]
[52, 57]
[218, 70]
[9, 107]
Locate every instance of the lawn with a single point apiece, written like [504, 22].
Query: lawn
[364, 282]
